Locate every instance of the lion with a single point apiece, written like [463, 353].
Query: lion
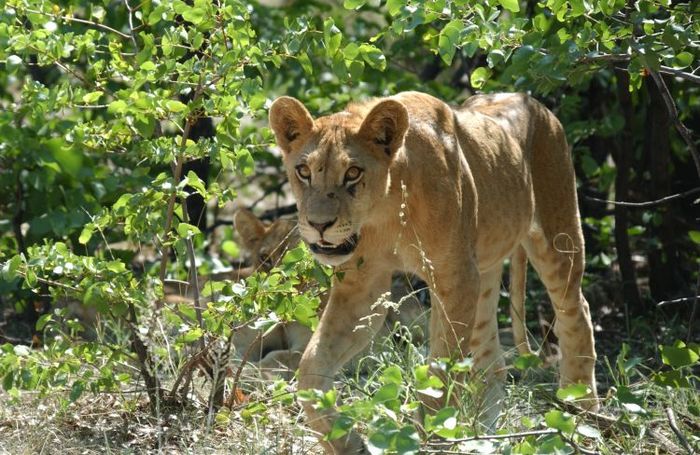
[277, 352]
[447, 193]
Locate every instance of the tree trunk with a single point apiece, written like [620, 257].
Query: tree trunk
[623, 155]
[665, 281]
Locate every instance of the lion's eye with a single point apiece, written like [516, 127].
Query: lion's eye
[303, 172]
[352, 175]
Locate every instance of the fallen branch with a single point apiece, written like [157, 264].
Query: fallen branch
[606, 422]
[679, 434]
[522, 434]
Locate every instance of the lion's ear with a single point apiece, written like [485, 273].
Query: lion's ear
[249, 227]
[290, 121]
[385, 126]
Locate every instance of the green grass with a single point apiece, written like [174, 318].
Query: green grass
[634, 417]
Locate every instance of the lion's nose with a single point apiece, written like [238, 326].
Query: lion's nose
[321, 227]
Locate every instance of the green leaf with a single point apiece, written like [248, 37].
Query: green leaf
[356, 69]
[373, 56]
[379, 442]
[294, 255]
[573, 392]
[191, 335]
[305, 63]
[9, 268]
[541, 23]
[86, 234]
[351, 51]
[386, 393]
[31, 278]
[407, 440]
[675, 379]
[146, 125]
[353, 4]
[683, 59]
[91, 97]
[391, 375]
[449, 40]
[148, 66]
[185, 230]
[527, 361]
[195, 182]
[76, 390]
[175, 106]
[231, 248]
[694, 236]
[194, 15]
[116, 266]
[479, 77]
[341, 426]
[8, 380]
[331, 37]
[394, 6]
[678, 356]
[510, 5]
[117, 107]
[559, 420]
[245, 162]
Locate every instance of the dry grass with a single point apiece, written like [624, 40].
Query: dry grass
[121, 423]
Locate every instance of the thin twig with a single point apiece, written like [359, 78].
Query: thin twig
[695, 307]
[237, 377]
[577, 447]
[177, 172]
[81, 21]
[521, 434]
[679, 434]
[646, 204]
[673, 114]
[194, 278]
[680, 300]
[191, 363]
[50, 282]
[678, 73]
[131, 24]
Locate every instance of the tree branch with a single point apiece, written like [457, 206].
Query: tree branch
[646, 204]
[673, 114]
[625, 58]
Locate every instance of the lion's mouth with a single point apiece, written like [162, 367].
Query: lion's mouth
[328, 249]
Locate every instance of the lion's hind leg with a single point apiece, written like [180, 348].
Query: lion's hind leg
[559, 262]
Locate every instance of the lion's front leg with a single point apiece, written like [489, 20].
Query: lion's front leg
[348, 323]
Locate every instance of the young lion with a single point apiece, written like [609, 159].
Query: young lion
[410, 183]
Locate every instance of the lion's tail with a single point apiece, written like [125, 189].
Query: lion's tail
[518, 279]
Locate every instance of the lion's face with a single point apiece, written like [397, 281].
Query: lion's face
[338, 168]
[266, 243]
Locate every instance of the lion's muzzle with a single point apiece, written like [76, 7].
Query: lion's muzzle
[328, 249]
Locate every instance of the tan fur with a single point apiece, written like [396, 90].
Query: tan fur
[448, 194]
[279, 351]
